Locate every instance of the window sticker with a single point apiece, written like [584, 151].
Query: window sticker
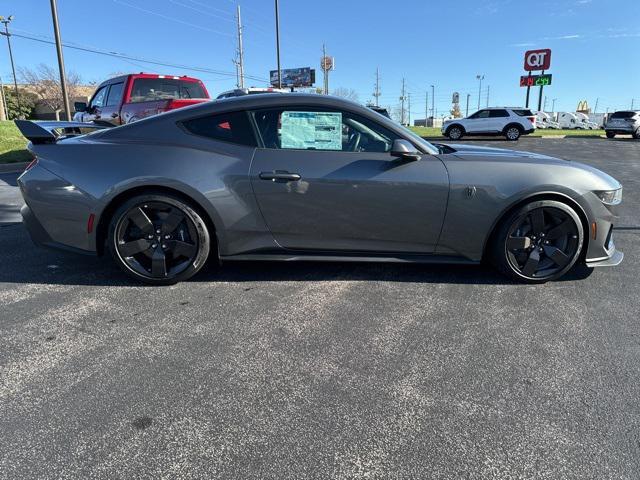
[311, 130]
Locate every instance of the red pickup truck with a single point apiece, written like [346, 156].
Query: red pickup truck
[128, 98]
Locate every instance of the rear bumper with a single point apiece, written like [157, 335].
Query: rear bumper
[39, 235]
[620, 130]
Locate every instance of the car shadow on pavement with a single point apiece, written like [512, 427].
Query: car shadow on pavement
[27, 264]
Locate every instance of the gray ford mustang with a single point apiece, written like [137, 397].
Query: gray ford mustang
[307, 177]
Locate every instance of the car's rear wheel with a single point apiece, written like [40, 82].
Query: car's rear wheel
[539, 242]
[158, 239]
[610, 134]
[455, 133]
[512, 133]
[636, 134]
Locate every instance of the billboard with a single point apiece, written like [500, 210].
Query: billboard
[294, 77]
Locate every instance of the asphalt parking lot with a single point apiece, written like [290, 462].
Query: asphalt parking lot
[266, 370]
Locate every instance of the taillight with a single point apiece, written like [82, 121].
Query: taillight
[32, 163]
[532, 120]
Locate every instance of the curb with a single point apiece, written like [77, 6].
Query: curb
[17, 167]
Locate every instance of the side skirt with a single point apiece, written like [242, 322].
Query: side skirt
[347, 257]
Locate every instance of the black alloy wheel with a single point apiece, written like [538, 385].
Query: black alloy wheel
[158, 239]
[541, 242]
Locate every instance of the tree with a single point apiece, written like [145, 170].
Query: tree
[44, 81]
[27, 103]
[348, 93]
[455, 111]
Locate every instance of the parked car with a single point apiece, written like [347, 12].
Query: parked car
[309, 177]
[545, 121]
[623, 122]
[128, 98]
[507, 121]
[239, 92]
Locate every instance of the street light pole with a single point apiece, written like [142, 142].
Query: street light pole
[480, 78]
[63, 81]
[278, 42]
[433, 102]
[553, 105]
[6, 22]
[468, 96]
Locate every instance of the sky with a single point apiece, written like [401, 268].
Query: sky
[595, 45]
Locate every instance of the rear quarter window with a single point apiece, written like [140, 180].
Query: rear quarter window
[232, 127]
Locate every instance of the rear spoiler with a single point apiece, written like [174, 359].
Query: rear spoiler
[50, 132]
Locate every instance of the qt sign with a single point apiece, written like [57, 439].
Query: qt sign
[537, 59]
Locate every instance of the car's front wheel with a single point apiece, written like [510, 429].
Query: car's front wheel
[636, 134]
[512, 133]
[455, 133]
[158, 239]
[539, 242]
[610, 134]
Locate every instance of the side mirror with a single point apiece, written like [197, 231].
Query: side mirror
[405, 150]
[80, 106]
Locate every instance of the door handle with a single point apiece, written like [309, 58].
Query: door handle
[279, 175]
[114, 115]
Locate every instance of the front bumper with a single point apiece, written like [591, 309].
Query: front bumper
[612, 261]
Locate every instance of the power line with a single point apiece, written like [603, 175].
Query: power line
[172, 19]
[142, 60]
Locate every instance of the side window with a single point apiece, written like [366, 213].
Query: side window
[232, 127]
[498, 113]
[98, 99]
[316, 129]
[115, 94]
[480, 114]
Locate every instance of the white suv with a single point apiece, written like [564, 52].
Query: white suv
[507, 121]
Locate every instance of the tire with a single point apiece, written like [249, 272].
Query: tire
[512, 133]
[530, 248]
[158, 239]
[455, 132]
[610, 134]
[636, 134]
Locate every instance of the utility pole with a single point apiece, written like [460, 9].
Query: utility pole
[488, 87]
[544, 108]
[4, 114]
[595, 109]
[409, 110]
[278, 42]
[240, 60]
[6, 22]
[402, 95]
[376, 94]
[325, 71]
[480, 78]
[633, 100]
[433, 101]
[426, 110]
[468, 96]
[63, 81]
[553, 105]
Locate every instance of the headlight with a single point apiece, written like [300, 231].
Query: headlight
[610, 197]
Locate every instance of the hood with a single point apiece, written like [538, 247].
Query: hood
[465, 151]
[472, 152]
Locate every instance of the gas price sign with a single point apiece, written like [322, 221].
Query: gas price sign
[535, 80]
